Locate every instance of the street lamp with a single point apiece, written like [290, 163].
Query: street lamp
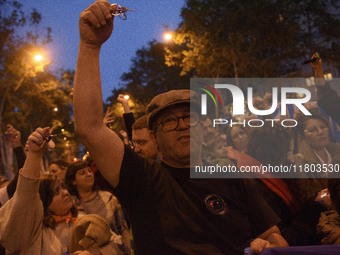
[38, 57]
[39, 61]
[167, 36]
[31, 62]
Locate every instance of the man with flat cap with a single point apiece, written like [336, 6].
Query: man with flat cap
[169, 212]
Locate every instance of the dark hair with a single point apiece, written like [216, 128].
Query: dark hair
[61, 163]
[269, 145]
[303, 119]
[70, 175]
[47, 192]
[229, 138]
[141, 123]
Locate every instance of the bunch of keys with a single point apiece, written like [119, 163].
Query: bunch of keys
[48, 139]
[120, 11]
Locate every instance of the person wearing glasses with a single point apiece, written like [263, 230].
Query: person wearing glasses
[143, 140]
[169, 212]
[137, 131]
[315, 149]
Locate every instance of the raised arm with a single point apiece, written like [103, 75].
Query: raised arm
[36, 142]
[318, 69]
[128, 115]
[105, 146]
[124, 100]
[327, 98]
[21, 217]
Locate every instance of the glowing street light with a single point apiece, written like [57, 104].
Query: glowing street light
[55, 109]
[126, 97]
[38, 57]
[167, 36]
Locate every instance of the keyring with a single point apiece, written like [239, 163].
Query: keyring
[49, 138]
[120, 11]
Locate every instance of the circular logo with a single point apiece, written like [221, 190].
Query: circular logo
[216, 204]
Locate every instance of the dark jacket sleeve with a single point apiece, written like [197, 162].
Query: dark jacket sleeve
[128, 121]
[302, 230]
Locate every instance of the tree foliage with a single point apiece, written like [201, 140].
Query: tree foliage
[31, 95]
[148, 76]
[11, 17]
[234, 38]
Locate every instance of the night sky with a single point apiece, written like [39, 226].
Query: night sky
[146, 23]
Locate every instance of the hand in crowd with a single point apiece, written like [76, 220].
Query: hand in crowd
[323, 198]
[318, 61]
[96, 23]
[13, 135]
[317, 69]
[109, 117]
[38, 139]
[274, 239]
[124, 136]
[232, 153]
[125, 102]
[258, 245]
[122, 99]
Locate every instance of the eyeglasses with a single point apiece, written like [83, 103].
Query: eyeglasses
[171, 122]
[314, 130]
[139, 143]
[120, 11]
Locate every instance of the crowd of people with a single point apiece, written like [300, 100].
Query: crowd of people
[134, 194]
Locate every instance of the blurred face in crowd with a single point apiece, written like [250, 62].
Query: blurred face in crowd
[220, 149]
[61, 202]
[144, 143]
[84, 179]
[239, 137]
[172, 131]
[55, 169]
[316, 133]
[207, 127]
